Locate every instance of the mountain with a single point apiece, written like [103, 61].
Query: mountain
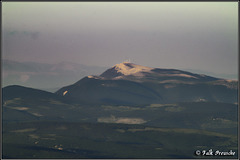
[130, 71]
[45, 76]
[129, 84]
[129, 111]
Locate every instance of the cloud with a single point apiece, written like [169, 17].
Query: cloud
[33, 35]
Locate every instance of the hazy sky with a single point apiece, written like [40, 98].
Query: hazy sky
[193, 35]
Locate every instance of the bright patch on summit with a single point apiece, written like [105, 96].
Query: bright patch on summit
[131, 69]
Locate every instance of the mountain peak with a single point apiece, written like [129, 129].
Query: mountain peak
[127, 68]
[134, 72]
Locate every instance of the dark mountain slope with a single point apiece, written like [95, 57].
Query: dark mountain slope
[97, 91]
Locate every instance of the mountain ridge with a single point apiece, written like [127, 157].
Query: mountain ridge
[128, 83]
[129, 71]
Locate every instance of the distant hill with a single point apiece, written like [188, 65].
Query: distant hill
[45, 76]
